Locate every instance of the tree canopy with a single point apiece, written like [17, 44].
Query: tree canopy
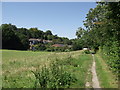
[103, 32]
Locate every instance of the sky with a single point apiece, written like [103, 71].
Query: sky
[62, 18]
[50, 0]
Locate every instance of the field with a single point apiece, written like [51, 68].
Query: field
[18, 68]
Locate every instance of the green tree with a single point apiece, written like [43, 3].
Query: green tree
[48, 32]
[80, 32]
[103, 26]
[9, 39]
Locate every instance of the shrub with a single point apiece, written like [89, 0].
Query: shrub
[87, 52]
[53, 77]
[40, 47]
[50, 49]
[41, 77]
[92, 51]
[67, 50]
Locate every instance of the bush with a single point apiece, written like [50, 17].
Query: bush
[111, 54]
[92, 51]
[58, 49]
[67, 50]
[50, 49]
[87, 52]
[40, 47]
[53, 77]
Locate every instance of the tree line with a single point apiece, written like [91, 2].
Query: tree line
[18, 38]
[102, 32]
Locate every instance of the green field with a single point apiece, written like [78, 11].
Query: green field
[17, 67]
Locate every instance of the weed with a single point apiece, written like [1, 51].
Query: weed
[53, 77]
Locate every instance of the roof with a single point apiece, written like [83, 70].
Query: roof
[33, 39]
[47, 41]
[58, 45]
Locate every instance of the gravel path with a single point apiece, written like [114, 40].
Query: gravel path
[95, 82]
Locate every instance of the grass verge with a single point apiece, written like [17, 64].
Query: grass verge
[105, 76]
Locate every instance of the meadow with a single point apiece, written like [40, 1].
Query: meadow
[18, 66]
[28, 69]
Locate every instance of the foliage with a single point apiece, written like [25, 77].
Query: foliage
[58, 49]
[87, 51]
[106, 78]
[80, 32]
[18, 38]
[9, 39]
[103, 30]
[17, 66]
[77, 44]
[50, 49]
[53, 77]
[48, 32]
[40, 47]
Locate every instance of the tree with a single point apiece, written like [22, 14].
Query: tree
[18, 38]
[77, 44]
[80, 32]
[103, 31]
[48, 32]
[9, 39]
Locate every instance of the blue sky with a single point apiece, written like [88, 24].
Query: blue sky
[62, 18]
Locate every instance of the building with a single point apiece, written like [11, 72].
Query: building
[58, 45]
[46, 41]
[33, 41]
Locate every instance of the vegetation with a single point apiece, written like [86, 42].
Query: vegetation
[18, 68]
[53, 69]
[104, 74]
[18, 38]
[53, 77]
[87, 52]
[103, 32]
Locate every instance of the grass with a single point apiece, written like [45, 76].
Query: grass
[79, 69]
[106, 77]
[17, 66]
[0, 69]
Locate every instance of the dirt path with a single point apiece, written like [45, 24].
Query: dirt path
[95, 82]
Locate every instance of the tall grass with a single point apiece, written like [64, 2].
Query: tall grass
[17, 67]
[106, 77]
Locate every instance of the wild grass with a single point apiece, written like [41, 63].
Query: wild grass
[17, 66]
[106, 77]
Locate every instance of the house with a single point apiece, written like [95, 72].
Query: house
[47, 41]
[34, 41]
[58, 45]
